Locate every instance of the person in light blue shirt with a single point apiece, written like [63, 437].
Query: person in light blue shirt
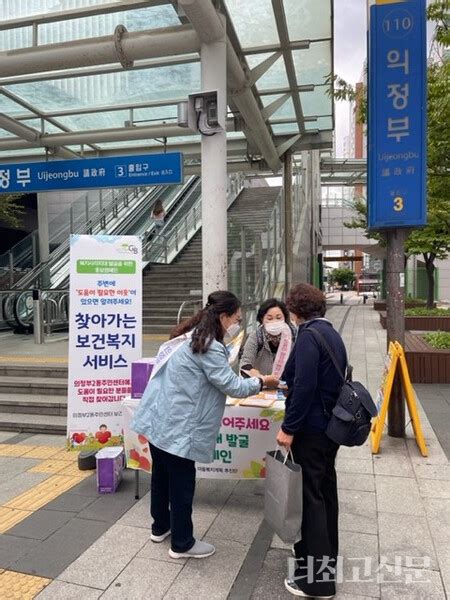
[180, 413]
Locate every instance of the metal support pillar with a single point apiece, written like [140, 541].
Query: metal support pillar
[11, 269]
[288, 228]
[244, 294]
[320, 266]
[395, 307]
[44, 245]
[38, 318]
[214, 173]
[34, 246]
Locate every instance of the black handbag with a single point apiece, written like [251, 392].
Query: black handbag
[350, 420]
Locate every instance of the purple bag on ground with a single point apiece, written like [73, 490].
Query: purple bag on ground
[110, 462]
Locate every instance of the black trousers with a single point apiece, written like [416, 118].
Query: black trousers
[317, 552]
[172, 494]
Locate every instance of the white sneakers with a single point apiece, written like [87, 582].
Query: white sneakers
[159, 538]
[293, 588]
[198, 550]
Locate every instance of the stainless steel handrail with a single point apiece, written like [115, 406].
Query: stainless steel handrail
[63, 229]
[176, 238]
[198, 301]
[17, 311]
[33, 275]
[95, 224]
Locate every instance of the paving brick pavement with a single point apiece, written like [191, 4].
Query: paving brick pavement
[394, 519]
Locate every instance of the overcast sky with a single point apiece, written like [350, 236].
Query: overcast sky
[349, 55]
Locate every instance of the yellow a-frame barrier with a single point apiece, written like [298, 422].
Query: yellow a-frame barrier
[396, 359]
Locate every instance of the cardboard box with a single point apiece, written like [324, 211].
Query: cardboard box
[110, 464]
[140, 374]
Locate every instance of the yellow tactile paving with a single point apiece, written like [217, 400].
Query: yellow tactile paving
[10, 517]
[157, 337]
[43, 493]
[41, 451]
[14, 449]
[50, 466]
[66, 455]
[72, 470]
[20, 586]
[28, 359]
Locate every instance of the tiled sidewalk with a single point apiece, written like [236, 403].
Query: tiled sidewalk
[396, 504]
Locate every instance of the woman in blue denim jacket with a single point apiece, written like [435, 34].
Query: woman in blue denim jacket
[181, 412]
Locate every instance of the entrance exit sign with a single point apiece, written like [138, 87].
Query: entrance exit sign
[92, 173]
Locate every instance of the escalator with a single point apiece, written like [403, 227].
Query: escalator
[127, 214]
[23, 256]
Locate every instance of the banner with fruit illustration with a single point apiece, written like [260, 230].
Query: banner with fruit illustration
[105, 336]
[137, 451]
[245, 436]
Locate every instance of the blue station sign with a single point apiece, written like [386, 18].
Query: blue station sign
[397, 114]
[92, 173]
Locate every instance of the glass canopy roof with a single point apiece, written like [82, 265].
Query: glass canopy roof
[109, 97]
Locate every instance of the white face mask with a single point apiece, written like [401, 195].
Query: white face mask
[274, 328]
[232, 332]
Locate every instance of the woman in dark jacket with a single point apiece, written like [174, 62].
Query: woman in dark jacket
[314, 385]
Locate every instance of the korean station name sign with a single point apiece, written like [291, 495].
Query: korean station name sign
[397, 114]
[92, 173]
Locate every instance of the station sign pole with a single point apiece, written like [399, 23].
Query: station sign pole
[396, 150]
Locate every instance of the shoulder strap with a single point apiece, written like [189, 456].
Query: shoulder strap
[259, 339]
[293, 332]
[330, 352]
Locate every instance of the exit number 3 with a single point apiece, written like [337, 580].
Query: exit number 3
[398, 203]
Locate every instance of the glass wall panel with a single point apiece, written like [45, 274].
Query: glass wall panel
[313, 65]
[13, 9]
[10, 107]
[322, 123]
[275, 77]
[156, 113]
[37, 124]
[285, 128]
[287, 110]
[124, 87]
[15, 38]
[308, 19]
[105, 120]
[99, 25]
[317, 102]
[254, 22]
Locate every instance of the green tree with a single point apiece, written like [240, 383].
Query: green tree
[10, 211]
[342, 276]
[432, 241]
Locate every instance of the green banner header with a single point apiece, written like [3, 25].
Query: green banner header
[106, 267]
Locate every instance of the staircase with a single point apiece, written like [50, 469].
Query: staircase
[253, 206]
[165, 287]
[33, 398]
